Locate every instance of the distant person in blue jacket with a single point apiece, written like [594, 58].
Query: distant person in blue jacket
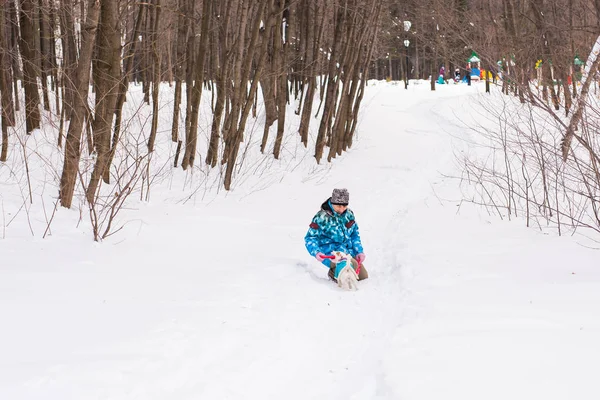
[334, 228]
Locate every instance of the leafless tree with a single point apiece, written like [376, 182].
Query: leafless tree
[8, 116]
[30, 58]
[192, 126]
[107, 75]
[81, 79]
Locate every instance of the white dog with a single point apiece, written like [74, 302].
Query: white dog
[347, 278]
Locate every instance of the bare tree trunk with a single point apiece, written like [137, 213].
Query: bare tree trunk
[6, 76]
[14, 35]
[332, 87]
[417, 64]
[573, 75]
[578, 113]
[44, 36]
[312, 55]
[267, 86]
[345, 77]
[282, 77]
[190, 70]
[53, 62]
[184, 57]
[82, 80]
[183, 28]
[238, 86]
[107, 75]
[69, 57]
[154, 43]
[567, 90]
[169, 70]
[222, 77]
[5, 89]
[30, 65]
[124, 83]
[192, 135]
[145, 56]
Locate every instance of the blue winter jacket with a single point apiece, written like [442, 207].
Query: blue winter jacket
[330, 231]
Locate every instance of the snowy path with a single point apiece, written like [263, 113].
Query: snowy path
[222, 302]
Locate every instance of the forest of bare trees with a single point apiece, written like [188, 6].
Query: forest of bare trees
[72, 62]
[68, 49]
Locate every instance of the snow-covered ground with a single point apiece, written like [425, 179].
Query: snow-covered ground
[216, 297]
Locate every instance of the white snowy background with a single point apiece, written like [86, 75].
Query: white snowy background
[207, 294]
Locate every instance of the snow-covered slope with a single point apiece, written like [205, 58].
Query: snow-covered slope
[217, 298]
